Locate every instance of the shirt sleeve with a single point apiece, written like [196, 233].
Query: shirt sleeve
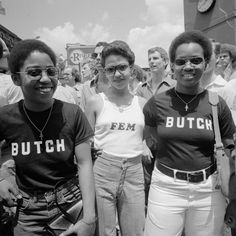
[226, 123]
[149, 112]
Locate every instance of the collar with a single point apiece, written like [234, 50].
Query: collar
[167, 80]
[218, 81]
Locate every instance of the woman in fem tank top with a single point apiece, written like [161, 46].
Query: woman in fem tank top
[118, 122]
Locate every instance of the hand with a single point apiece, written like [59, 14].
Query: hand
[81, 229]
[9, 194]
[147, 154]
[95, 153]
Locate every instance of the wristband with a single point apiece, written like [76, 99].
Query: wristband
[1, 179]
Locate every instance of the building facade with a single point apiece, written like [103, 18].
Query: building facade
[216, 18]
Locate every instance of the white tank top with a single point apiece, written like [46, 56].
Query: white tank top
[119, 132]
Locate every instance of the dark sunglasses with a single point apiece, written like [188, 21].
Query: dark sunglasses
[112, 70]
[94, 55]
[192, 60]
[37, 71]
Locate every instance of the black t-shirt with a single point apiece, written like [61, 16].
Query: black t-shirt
[41, 164]
[186, 138]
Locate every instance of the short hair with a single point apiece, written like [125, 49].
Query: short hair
[138, 73]
[118, 47]
[23, 49]
[99, 44]
[194, 36]
[231, 49]
[162, 51]
[1, 50]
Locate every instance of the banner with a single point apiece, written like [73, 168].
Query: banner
[76, 53]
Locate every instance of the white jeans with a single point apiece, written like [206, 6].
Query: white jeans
[177, 204]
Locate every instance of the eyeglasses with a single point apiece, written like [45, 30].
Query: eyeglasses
[192, 60]
[112, 70]
[36, 72]
[95, 55]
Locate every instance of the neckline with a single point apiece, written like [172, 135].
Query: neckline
[120, 108]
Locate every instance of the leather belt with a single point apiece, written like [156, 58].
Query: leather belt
[190, 176]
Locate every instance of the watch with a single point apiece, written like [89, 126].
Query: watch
[205, 5]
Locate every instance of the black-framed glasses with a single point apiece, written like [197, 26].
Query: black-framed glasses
[193, 60]
[112, 69]
[36, 72]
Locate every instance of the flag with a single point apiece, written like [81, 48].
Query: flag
[2, 9]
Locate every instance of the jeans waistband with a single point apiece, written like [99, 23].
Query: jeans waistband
[133, 160]
[65, 185]
[190, 176]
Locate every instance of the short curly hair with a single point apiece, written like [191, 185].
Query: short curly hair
[194, 36]
[229, 48]
[23, 49]
[118, 47]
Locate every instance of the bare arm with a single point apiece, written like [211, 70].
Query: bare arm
[86, 180]
[87, 225]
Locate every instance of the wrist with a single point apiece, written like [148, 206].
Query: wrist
[89, 221]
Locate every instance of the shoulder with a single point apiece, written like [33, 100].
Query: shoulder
[170, 81]
[66, 107]
[142, 101]
[95, 102]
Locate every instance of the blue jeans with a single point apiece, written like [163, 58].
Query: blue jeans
[176, 204]
[39, 208]
[119, 186]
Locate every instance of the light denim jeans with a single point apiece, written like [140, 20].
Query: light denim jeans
[120, 189]
[38, 209]
[177, 204]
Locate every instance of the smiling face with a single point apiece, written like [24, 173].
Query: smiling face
[117, 71]
[156, 62]
[189, 74]
[38, 90]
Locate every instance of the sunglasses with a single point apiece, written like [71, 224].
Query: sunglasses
[36, 72]
[192, 60]
[95, 55]
[112, 70]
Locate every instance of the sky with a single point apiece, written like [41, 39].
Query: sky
[141, 23]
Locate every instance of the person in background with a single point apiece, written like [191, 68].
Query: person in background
[117, 119]
[5, 49]
[210, 80]
[78, 83]
[99, 83]
[137, 78]
[226, 61]
[158, 82]
[9, 93]
[64, 90]
[183, 191]
[55, 133]
[88, 69]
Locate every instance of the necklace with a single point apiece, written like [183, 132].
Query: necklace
[186, 103]
[40, 131]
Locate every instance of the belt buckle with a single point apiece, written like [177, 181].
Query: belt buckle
[191, 175]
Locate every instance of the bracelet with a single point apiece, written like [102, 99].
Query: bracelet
[89, 223]
[1, 179]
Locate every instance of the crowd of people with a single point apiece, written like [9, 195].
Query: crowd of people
[139, 143]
